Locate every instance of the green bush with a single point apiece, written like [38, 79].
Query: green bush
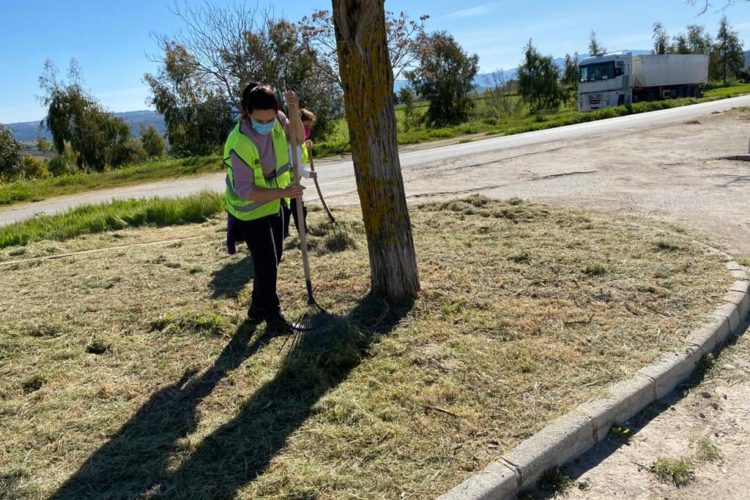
[152, 142]
[60, 165]
[10, 153]
[132, 152]
[34, 168]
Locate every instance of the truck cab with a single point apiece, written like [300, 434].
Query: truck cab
[604, 81]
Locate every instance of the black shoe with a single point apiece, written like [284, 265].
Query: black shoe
[255, 314]
[278, 324]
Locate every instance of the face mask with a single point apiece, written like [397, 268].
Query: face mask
[263, 128]
[308, 131]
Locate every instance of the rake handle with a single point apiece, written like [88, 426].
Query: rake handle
[317, 186]
[301, 222]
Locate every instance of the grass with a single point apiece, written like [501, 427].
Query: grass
[338, 144]
[555, 481]
[498, 125]
[675, 471]
[708, 451]
[130, 372]
[35, 190]
[118, 214]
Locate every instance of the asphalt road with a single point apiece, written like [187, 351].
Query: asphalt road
[657, 164]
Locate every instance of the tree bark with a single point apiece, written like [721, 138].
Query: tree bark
[367, 78]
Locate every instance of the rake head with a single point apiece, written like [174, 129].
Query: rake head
[313, 318]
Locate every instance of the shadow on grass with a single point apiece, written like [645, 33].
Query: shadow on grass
[230, 280]
[136, 459]
[134, 463]
[240, 450]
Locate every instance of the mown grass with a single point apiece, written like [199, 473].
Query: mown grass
[130, 372]
[338, 144]
[118, 214]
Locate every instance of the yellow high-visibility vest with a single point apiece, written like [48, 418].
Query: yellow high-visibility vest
[241, 145]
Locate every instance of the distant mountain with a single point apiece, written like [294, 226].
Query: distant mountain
[31, 131]
[488, 80]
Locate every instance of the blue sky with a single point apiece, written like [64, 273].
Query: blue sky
[111, 40]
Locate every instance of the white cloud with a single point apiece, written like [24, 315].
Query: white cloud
[477, 11]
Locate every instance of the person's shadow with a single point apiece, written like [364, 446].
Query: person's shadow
[136, 458]
[228, 282]
[134, 463]
[241, 450]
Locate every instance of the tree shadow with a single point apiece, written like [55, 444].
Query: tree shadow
[136, 458]
[241, 450]
[231, 279]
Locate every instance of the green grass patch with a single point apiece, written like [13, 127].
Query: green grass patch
[708, 451]
[129, 371]
[35, 190]
[675, 471]
[119, 214]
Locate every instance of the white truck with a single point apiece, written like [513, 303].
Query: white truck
[621, 78]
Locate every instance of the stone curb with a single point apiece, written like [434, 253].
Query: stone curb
[575, 432]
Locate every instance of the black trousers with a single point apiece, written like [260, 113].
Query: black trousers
[293, 209]
[265, 239]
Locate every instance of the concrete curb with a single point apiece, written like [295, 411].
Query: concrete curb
[574, 433]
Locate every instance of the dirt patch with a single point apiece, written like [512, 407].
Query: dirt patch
[131, 372]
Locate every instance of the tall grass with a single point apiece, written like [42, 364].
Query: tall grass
[90, 219]
[39, 189]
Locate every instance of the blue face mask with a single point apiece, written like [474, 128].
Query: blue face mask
[263, 128]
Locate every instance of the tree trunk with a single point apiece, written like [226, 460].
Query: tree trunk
[367, 78]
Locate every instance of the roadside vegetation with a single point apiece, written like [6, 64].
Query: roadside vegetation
[164, 168]
[118, 214]
[484, 122]
[132, 372]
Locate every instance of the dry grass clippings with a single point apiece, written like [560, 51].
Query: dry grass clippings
[132, 372]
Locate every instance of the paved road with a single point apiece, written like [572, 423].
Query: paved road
[638, 164]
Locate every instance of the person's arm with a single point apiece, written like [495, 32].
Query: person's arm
[296, 129]
[270, 194]
[244, 184]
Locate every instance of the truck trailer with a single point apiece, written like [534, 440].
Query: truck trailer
[626, 77]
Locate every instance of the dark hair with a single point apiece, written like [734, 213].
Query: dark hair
[258, 96]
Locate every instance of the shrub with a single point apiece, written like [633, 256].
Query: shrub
[34, 168]
[152, 142]
[10, 153]
[60, 165]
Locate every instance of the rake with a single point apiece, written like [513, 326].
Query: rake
[317, 186]
[337, 228]
[314, 317]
